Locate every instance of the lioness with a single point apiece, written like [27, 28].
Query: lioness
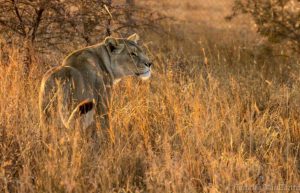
[80, 88]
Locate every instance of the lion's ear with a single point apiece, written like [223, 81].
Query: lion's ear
[113, 45]
[134, 37]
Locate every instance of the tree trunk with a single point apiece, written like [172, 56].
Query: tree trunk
[27, 56]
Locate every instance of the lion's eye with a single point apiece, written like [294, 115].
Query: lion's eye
[133, 54]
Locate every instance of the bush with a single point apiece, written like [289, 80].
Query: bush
[278, 20]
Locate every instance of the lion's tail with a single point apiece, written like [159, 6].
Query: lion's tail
[83, 112]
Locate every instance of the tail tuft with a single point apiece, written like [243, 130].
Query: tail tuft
[85, 107]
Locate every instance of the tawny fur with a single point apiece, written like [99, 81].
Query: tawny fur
[84, 81]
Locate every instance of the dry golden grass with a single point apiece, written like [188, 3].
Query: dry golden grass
[218, 115]
[191, 128]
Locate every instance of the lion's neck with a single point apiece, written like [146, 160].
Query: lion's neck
[105, 67]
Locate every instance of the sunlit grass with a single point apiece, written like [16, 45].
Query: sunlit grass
[191, 128]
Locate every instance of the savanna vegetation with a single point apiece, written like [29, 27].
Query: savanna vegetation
[221, 112]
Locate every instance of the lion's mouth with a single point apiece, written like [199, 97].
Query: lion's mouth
[144, 75]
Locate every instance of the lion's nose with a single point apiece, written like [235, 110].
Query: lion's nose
[149, 64]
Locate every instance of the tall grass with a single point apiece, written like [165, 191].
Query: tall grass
[213, 118]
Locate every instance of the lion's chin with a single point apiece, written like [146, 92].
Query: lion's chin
[145, 76]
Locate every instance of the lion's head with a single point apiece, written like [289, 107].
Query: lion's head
[128, 58]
